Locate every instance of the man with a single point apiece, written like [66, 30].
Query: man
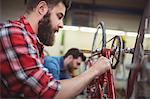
[22, 73]
[62, 66]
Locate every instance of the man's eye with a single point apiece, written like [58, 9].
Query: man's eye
[60, 16]
[78, 63]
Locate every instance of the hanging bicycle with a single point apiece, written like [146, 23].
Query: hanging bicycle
[102, 87]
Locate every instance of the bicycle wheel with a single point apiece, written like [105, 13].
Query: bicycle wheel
[138, 55]
[99, 40]
[116, 48]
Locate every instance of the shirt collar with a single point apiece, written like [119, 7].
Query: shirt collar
[29, 28]
[26, 24]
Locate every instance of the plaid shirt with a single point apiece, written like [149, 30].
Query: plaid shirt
[21, 65]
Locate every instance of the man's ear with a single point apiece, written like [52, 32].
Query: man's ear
[42, 8]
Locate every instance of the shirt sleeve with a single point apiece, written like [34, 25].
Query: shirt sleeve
[53, 67]
[23, 69]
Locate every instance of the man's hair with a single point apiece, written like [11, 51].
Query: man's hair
[75, 53]
[31, 4]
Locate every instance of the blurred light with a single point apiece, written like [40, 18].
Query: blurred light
[72, 28]
[115, 32]
[93, 30]
[147, 35]
[132, 34]
[88, 29]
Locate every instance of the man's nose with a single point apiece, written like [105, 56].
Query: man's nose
[61, 24]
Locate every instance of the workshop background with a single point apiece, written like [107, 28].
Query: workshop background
[121, 17]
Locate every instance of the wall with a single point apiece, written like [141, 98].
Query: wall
[124, 22]
[0, 9]
[118, 3]
[12, 9]
[83, 40]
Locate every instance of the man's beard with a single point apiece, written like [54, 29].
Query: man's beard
[45, 34]
[71, 67]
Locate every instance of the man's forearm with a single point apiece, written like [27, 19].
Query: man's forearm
[74, 86]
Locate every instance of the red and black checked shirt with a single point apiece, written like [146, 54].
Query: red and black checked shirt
[21, 65]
